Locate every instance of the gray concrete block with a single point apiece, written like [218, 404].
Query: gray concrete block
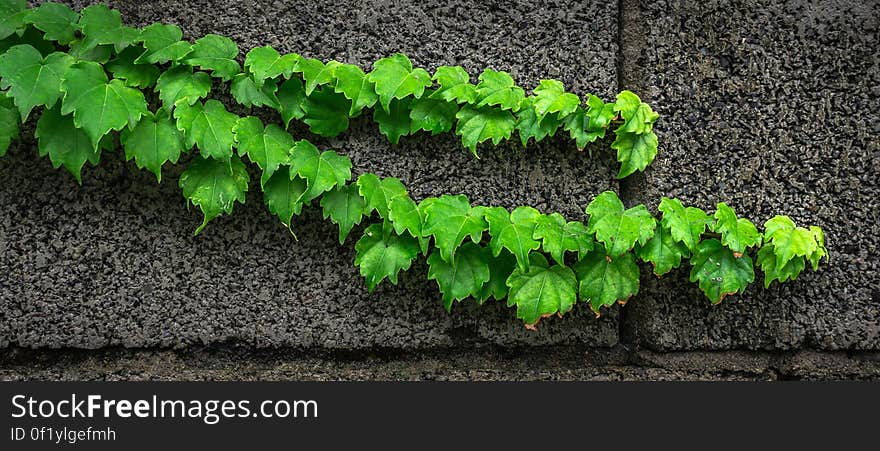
[114, 262]
[771, 107]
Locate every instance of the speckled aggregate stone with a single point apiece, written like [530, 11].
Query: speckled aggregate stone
[773, 108]
[114, 262]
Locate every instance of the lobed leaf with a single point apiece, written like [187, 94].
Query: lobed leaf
[345, 207]
[209, 126]
[513, 231]
[498, 88]
[31, 79]
[604, 280]
[64, 143]
[463, 277]
[380, 256]
[737, 234]
[476, 125]
[558, 236]
[395, 78]
[719, 272]
[394, 121]
[686, 225]
[663, 251]
[124, 67]
[541, 291]
[284, 196]
[321, 170]
[181, 85]
[266, 63]
[154, 141]
[214, 186]
[57, 21]
[454, 84]
[162, 44]
[451, 219]
[618, 228]
[217, 54]
[99, 105]
[356, 87]
[102, 25]
[269, 147]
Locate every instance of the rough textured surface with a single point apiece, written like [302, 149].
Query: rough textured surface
[771, 107]
[533, 363]
[114, 262]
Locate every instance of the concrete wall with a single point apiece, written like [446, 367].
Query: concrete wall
[769, 106]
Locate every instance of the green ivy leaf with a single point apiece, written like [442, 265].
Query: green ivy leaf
[154, 141]
[821, 251]
[550, 97]
[530, 125]
[394, 121]
[65, 144]
[450, 219]
[379, 193]
[31, 79]
[455, 85]
[99, 106]
[637, 116]
[57, 21]
[558, 236]
[685, 224]
[634, 152]
[719, 272]
[395, 78]
[500, 269]
[767, 261]
[663, 251]
[586, 126]
[432, 115]
[316, 73]
[326, 112]
[321, 170]
[99, 54]
[284, 196]
[380, 256]
[123, 67]
[353, 83]
[268, 147]
[604, 280]
[102, 25]
[214, 186]
[513, 231]
[291, 98]
[217, 54]
[8, 123]
[162, 44]
[266, 63]
[12, 16]
[248, 93]
[463, 277]
[345, 207]
[498, 88]
[788, 240]
[737, 234]
[616, 227]
[542, 290]
[181, 85]
[476, 125]
[405, 215]
[209, 126]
